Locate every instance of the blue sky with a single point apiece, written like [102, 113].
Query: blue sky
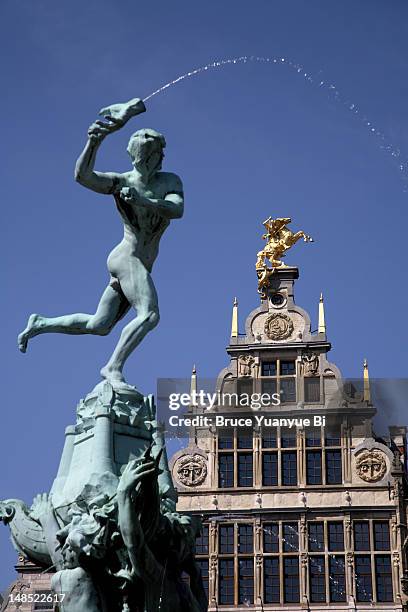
[249, 141]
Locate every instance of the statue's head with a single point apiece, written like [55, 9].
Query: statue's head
[146, 149]
[70, 556]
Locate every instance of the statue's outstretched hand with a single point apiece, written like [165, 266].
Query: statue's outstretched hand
[99, 129]
[134, 473]
[116, 116]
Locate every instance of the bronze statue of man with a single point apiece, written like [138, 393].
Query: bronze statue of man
[147, 199]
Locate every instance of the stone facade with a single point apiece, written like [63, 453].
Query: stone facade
[302, 517]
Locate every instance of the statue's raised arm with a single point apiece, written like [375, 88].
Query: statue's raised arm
[116, 116]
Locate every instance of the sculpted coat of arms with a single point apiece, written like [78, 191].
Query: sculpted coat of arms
[278, 326]
[191, 470]
[371, 465]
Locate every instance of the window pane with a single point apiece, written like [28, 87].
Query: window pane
[226, 539]
[245, 581]
[269, 368]
[269, 438]
[289, 468]
[271, 538]
[271, 580]
[287, 367]
[337, 578]
[244, 386]
[269, 386]
[290, 537]
[312, 390]
[383, 578]
[287, 390]
[244, 438]
[202, 541]
[226, 439]
[316, 537]
[245, 470]
[317, 579]
[226, 581]
[364, 587]
[288, 438]
[291, 589]
[361, 535]
[203, 566]
[226, 470]
[245, 539]
[314, 467]
[313, 437]
[381, 535]
[269, 469]
[334, 473]
[336, 536]
[333, 438]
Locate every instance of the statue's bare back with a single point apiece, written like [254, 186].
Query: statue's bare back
[147, 200]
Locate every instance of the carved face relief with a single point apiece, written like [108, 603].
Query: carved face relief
[371, 465]
[191, 470]
[278, 326]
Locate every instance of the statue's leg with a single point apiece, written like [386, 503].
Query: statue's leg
[139, 290]
[111, 308]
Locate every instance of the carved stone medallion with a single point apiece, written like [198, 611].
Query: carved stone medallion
[371, 465]
[191, 470]
[278, 326]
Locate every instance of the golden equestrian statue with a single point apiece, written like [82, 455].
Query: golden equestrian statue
[279, 240]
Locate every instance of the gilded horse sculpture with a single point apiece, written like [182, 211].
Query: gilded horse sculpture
[279, 240]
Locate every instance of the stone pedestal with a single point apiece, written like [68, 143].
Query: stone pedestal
[113, 426]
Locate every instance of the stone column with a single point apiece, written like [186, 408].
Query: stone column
[398, 539]
[301, 456]
[347, 452]
[304, 565]
[212, 463]
[212, 566]
[258, 578]
[350, 582]
[349, 559]
[395, 564]
[304, 562]
[257, 458]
